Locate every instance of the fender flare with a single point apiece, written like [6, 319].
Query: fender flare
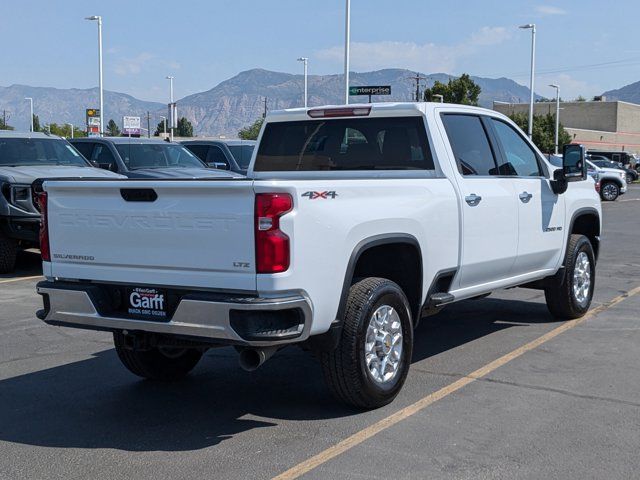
[578, 213]
[363, 246]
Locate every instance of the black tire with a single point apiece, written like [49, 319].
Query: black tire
[630, 178]
[609, 191]
[8, 254]
[345, 369]
[154, 364]
[561, 298]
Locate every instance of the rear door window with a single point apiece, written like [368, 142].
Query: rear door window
[470, 144]
[390, 143]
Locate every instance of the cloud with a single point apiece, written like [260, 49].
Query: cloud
[135, 65]
[550, 10]
[570, 87]
[428, 56]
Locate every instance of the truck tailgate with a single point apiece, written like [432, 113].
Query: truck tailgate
[178, 232]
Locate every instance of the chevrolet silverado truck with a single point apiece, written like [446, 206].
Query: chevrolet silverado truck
[352, 224]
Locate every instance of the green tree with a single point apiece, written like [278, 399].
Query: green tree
[64, 130]
[252, 131]
[185, 129]
[462, 90]
[36, 123]
[581, 99]
[112, 129]
[544, 130]
[160, 128]
[4, 125]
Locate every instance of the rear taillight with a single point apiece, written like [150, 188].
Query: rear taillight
[272, 245]
[44, 227]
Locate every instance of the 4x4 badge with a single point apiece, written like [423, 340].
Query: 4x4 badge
[323, 195]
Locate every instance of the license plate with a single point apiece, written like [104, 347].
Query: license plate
[147, 303]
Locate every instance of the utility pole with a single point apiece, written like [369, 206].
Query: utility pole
[148, 125]
[347, 40]
[532, 27]
[417, 77]
[264, 115]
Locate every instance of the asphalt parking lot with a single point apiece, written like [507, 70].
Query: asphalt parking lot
[481, 400]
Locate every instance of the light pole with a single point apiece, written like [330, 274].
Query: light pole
[347, 35]
[532, 27]
[164, 120]
[71, 125]
[305, 61]
[31, 110]
[557, 87]
[98, 18]
[172, 120]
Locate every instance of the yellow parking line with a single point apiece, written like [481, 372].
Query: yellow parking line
[11, 280]
[365, 434]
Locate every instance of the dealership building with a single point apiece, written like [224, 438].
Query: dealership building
[599, 125]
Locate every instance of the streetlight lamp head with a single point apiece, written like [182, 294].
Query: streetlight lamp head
[554, 86]
[528, 25]
[303, 59]
[169, 77]
[93, 17]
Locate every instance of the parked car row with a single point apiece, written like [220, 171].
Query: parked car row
[26, 157]
[610, 183]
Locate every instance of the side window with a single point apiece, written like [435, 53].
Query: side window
[103, 156]
[520, 158]
[85, 148]
[216, 155]
[470, 144]
[198, 150]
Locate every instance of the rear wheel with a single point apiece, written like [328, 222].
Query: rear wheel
[371, 362]
[609, 191]
[8, 253]
[156, 363]
[569, 295]
[629, 177]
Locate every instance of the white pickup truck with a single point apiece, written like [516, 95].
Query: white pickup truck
[352, 224]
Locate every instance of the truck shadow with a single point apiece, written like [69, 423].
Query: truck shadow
[95, 403]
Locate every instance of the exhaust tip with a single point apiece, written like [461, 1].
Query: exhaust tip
[251, 359]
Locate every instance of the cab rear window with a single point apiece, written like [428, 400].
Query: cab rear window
[391, 143]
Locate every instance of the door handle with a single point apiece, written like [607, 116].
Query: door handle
[473, 199]
[525, 197]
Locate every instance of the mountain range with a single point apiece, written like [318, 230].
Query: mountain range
[240, 100]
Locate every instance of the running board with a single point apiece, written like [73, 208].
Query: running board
[440, 299]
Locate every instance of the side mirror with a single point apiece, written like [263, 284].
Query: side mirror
[574, 165]
[559, 183]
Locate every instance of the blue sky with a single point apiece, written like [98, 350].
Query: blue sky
[47, 43]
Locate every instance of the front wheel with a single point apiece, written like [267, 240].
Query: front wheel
[156, 363]
[371, 362]
[630, 178]
[610, 191]
[570, 293]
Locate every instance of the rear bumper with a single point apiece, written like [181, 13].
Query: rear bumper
[229, 320]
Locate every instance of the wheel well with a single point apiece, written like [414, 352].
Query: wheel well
[398, 262]
[588, 224]
[611, 180]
